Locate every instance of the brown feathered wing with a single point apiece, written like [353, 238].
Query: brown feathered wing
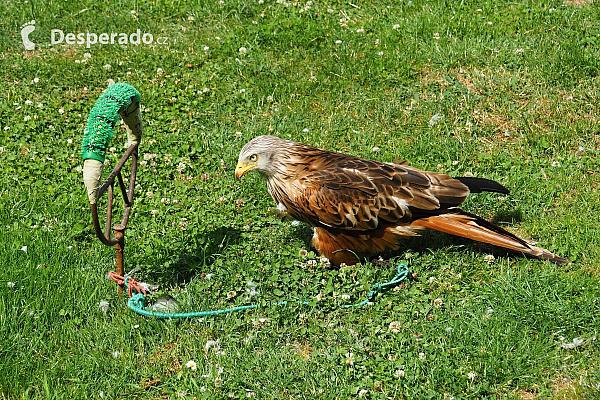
[362, 207]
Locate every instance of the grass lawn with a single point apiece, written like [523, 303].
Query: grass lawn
[496, 89]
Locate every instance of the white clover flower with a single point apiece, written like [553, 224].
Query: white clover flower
[231, 294]
[251, 289]
[243, 51]
[489, 259]
[471, 375]
[399, 373]
[437, 303]
[10, 284]
[211, 344]
[349, 359]
[362, 393]
[103, 306]
[395, 326]
[421, 356]
[324, 261]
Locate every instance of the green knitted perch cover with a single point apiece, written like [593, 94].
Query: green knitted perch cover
[103, 117]
[120, 99]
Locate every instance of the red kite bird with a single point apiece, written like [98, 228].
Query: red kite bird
[361, 207]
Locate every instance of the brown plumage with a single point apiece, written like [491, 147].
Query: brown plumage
[361, 207]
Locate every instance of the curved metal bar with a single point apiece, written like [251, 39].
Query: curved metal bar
[126, 193]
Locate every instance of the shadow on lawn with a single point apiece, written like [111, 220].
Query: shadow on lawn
[200, 254]
[193, 258]
[433, 241]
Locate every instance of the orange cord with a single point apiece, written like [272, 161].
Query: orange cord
[131, 283]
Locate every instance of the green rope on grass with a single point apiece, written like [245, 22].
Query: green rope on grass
[136, 302]
[103, 117]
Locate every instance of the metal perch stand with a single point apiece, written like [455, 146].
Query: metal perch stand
[119, 100]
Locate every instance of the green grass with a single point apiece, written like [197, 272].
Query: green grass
[517, 86]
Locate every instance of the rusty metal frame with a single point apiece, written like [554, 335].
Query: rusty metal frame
[118, 240]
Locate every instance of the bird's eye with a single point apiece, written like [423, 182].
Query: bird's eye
[253, 157]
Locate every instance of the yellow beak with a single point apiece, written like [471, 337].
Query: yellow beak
[241, 169]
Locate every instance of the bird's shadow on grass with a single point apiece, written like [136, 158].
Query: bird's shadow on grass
[432, 241]
[191, 258]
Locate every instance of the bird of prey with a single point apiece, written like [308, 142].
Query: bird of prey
[360, 207]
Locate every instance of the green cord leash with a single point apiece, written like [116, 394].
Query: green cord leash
[136, 301]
